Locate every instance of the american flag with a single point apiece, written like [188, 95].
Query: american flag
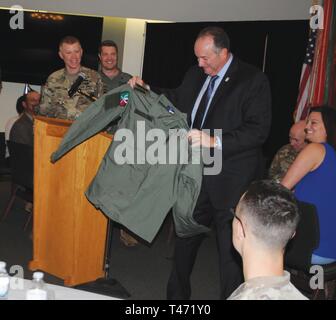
[302, 105]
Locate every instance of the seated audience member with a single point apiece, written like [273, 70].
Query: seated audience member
[22, 130]
[11, 121]
[265, 220]
[287, 154]
[313, 176]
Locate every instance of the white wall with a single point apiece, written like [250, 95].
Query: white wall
[134, 46]
[114, 29]
[177, 10]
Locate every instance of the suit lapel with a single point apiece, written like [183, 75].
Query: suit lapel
[224, 86]
[196, 88]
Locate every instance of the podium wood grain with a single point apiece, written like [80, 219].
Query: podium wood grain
[68, 232]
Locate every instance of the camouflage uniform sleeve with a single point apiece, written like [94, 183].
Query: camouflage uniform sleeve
[275, 171]
[44, 106]
[281, 163]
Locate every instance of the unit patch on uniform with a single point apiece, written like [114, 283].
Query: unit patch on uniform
[124, 95]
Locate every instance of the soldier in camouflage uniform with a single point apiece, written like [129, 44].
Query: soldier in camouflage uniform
[265, 220]
[287, 154]
[55, 101]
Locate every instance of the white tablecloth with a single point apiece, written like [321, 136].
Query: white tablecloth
[18, 288]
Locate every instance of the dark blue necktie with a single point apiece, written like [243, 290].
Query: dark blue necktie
[203, 104]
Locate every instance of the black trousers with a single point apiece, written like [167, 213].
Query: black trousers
[230, 266]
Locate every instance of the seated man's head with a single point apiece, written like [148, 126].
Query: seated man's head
[31, 101]
[297, 135]
[265, 219]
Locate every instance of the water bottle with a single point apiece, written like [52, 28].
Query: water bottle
[38, 289]
[4, 281]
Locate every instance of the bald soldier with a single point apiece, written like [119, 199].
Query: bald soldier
[287, 154]
[56, 101]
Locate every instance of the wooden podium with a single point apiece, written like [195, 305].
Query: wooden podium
[69, 233]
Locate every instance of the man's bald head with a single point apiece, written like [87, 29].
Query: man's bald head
[297, 135]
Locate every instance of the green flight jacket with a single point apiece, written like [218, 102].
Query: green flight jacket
[139, 194]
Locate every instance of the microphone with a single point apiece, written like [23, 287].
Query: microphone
[74, 88]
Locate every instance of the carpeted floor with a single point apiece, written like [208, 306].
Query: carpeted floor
[142, 270]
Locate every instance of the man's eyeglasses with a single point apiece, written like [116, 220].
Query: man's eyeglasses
[235, 216]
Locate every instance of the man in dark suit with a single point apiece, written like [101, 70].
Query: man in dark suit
[223, 93]
[22, 130]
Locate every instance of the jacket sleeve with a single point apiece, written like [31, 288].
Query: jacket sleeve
[46, 100]
[256, 122]
[95, 118]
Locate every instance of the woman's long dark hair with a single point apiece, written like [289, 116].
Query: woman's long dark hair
[329, 120]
